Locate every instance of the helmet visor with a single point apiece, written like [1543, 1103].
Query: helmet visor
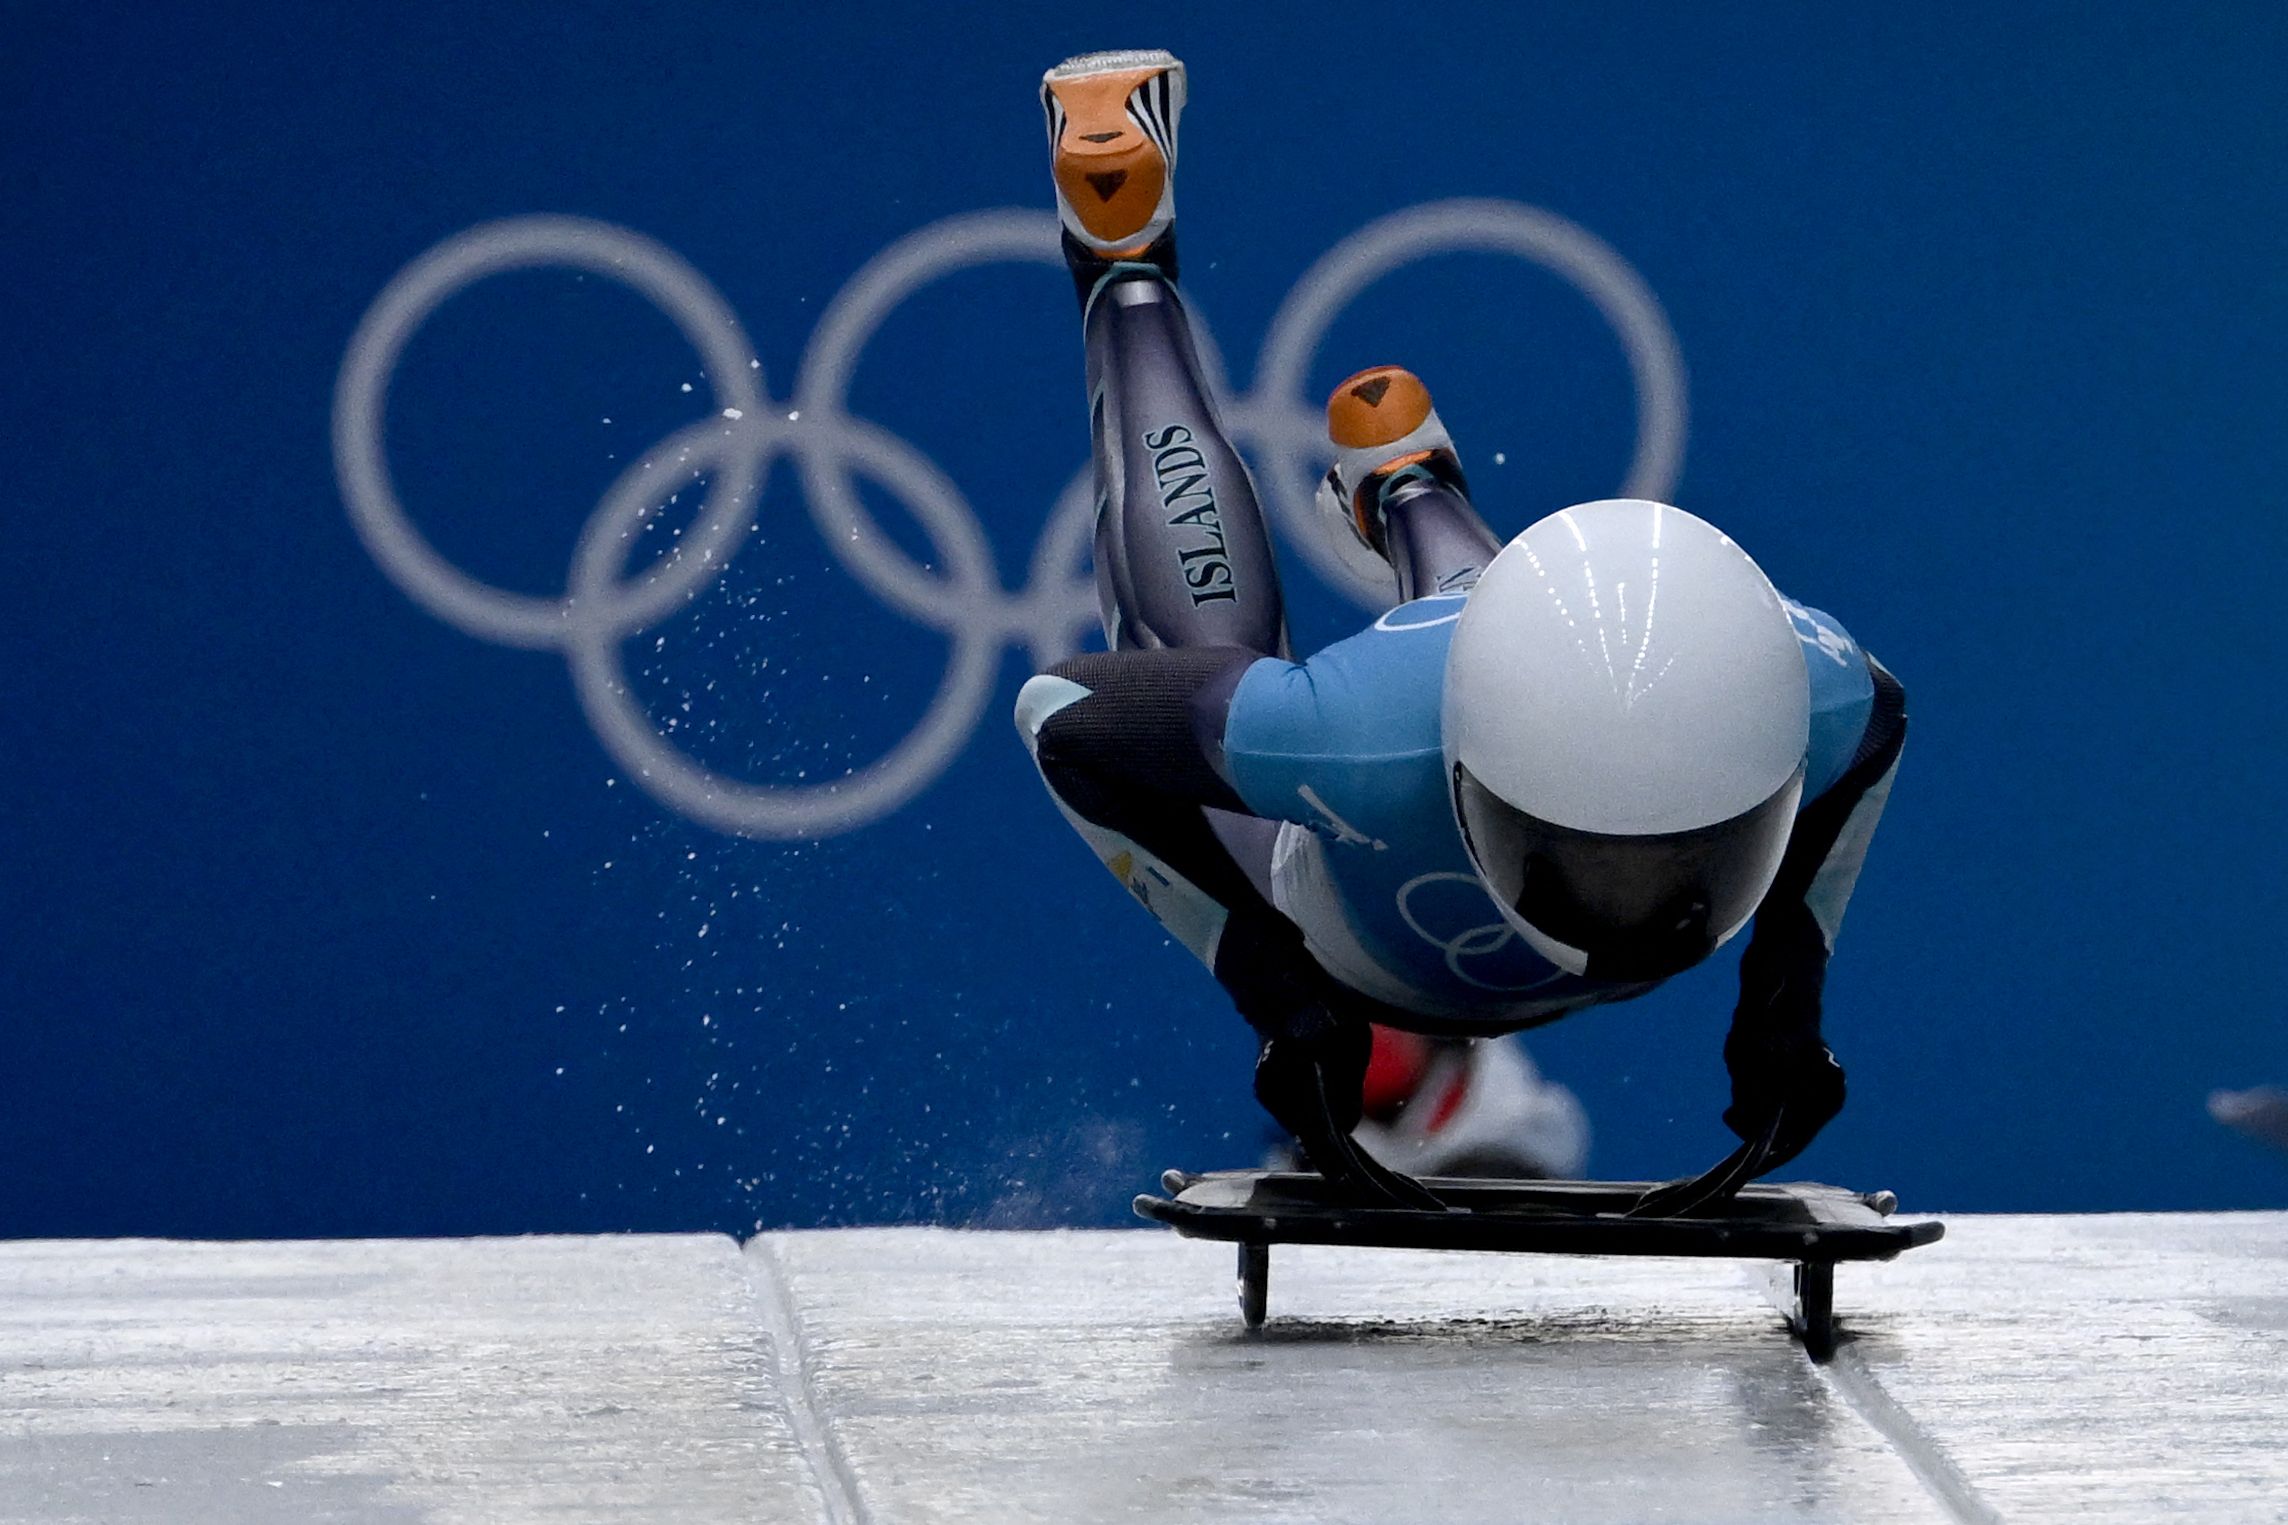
[1624, 907]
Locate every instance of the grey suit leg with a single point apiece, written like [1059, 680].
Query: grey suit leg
[1182, 554]
[1183, 557]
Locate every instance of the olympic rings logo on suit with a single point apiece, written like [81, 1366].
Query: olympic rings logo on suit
[1280, 430]
[1478, 939]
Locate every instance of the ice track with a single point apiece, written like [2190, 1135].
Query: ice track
[2094, 1368]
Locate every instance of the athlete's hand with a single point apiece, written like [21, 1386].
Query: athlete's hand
[1317, 1054]
[1309, 1076]
[1774, 1051]
[1772, 1071]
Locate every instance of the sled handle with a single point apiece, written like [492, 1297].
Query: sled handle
[1719, 1183]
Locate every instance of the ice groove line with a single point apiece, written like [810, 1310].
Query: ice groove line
[1917, 1447]
[1856, 1383]
[798, 1387]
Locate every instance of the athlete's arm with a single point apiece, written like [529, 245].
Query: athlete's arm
[1775, 1051]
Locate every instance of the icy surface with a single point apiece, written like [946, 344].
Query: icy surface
[562, 1379]
[1106, 1377]
[2126, 1368]
[2129, 1367]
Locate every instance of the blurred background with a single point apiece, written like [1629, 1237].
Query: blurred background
[325, 914]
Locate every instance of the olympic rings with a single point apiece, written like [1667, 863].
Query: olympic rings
[1479, 940]
[832, 449]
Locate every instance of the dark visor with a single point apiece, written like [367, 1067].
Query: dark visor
[1638, 907]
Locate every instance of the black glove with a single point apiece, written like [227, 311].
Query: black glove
[1776, 1071]
[1311, 1068]
[1308, 1075]
[1318, 1055]
[1774, 1051]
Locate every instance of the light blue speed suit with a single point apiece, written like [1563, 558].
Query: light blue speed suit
[1346, 748]
[1291, 824]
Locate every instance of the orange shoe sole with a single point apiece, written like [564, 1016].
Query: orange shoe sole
[1110, 167]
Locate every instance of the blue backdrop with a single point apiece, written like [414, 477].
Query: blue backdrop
[325, 915]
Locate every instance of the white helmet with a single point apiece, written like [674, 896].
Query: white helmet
[1625, 721]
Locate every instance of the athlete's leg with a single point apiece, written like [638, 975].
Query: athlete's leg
[1182, 554]
[1183, 558]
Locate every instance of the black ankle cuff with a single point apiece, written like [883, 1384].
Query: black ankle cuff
[1088, 267]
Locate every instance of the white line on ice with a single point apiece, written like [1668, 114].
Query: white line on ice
[790, 1359]
[1856, 1383]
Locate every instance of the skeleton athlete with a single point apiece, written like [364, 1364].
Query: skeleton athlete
[1554, 774]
